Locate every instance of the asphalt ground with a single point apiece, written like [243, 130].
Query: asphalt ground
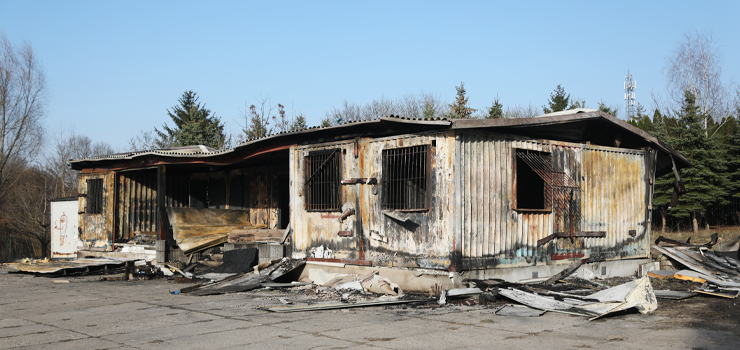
[91, 314]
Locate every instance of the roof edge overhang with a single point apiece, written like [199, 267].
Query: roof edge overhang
[384, 126]
[561, 118]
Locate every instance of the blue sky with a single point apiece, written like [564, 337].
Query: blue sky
[115, 67]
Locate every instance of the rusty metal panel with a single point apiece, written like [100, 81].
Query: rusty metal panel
[614, 201]
[609, 189]
[314, 229]
[390, 237]
[493, 234]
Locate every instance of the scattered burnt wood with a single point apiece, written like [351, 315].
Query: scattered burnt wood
[713, 240]
[565, 273]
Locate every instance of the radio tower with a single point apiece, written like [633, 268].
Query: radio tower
[629, 95]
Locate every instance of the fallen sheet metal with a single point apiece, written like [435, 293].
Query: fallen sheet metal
[673, 294]
[68, 267]
[333, 306]
[684, 260]
[518, 311]
[635, 294]
[245, 281]
[544, 303]
[638, 294]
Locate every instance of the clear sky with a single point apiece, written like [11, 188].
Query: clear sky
[115, 67]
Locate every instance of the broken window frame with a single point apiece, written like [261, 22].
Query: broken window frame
[94, 197]
[326, 195]
[395, 183]
[547, 200]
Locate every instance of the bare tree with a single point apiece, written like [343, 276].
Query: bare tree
[22, 103]
[424, 105]
[68, 145]
[149, 140]
[28, 213]
[695, 66]
[522, 111]
[260, 120]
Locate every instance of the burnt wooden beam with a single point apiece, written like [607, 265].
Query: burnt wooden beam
[163, 224]
[597, 234]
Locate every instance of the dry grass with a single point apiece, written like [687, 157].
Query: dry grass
[725, 233]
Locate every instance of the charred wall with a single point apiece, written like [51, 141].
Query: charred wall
[612, 196]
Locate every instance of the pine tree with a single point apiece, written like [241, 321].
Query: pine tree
[460, 109]
[429, 110]
[706, 179]
[299, 123]
[733, 158]
[496, 111]
[194, 124]
[558, 101]
[606, 109]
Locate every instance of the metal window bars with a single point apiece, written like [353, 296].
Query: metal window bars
[323, 176]
[406, 178]
[94, 196]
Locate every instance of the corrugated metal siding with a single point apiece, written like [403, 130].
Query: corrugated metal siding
[614, 201]
[493, 234]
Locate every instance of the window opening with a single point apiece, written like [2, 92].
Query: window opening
[94, 196]
[554, 188]
[406, 178]
[323, 177]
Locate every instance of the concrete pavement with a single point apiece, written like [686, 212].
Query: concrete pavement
[88, 314]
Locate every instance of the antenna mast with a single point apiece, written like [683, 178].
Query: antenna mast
[629, 95]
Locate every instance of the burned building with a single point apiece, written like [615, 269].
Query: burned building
[478, 197]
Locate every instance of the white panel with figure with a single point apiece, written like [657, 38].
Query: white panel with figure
[64, 223]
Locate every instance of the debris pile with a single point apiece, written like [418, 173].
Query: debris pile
[718, 272]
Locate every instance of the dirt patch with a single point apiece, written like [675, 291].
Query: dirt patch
[702, 312]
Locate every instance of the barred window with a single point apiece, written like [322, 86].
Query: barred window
[94, 196]
[323, 176]
[406, 178]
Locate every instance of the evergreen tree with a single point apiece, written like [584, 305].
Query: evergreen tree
[194, 124]
[577, 103]
[460, 109]
[429, 110]
[664, 185]
[496, 111]
[706, 179]
[558, 101]
[733, 158]
[299, 123]
[606, 109]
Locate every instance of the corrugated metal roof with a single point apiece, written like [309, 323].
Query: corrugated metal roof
[578, 125]
[200, 151]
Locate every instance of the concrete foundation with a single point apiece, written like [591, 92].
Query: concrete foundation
[605, 269]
